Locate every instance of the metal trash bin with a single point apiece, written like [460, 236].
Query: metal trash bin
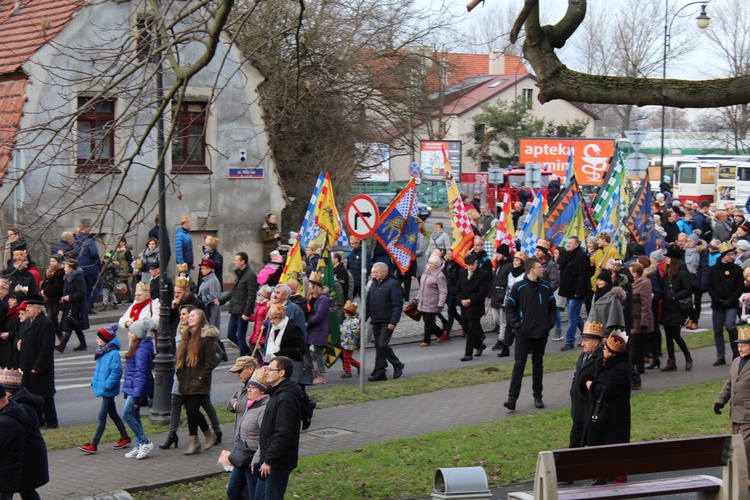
[461, 482]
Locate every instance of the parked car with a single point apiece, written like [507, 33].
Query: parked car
[382, 200]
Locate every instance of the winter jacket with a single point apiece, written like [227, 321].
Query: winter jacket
[612, 384]
[183, 245]
[261, 309]
[500, 283]
[292, 341]
[282, 422]
[37, 354]
[138, 380]
[699, 279]
[354, 264]
[270, 242]
[74, 286]
[218, 261]
[241, 297]
[52, 287]
[197, 379]
[575, 274]
[531, 308]
[737, 389]
[86, 253]
[584, 371]
[249, 428]
[609, 310]
[676, 288]
[21, 277]
[13, 423]
[421, 254]
[317, 322]
[433, 291]
[238, 405]
[267, 271]
[154, 233]
[147, 258]
[643, 320]
[725, 285]
[384, 301]
[441, 240]
[551, 272]
[150, 310]
[700, 221]
[108, 372]
[210, 289]
[474, 289]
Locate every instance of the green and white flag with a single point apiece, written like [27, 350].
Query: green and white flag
[615, 179]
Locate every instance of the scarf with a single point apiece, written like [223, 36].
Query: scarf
[251, 401]
[102, 350]
[692, 260]
[275, 337]
[517, 271]
[136, 308]
[601, 292]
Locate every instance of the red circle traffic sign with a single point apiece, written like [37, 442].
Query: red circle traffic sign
[362, 216]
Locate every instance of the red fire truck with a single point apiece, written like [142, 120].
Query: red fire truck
[512, 180]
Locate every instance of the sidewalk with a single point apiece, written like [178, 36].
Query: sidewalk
[74, 475]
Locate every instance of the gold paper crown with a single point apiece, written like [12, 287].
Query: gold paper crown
[20, 254]
[182, 282]
[143, 287]
[743, 334]
[21, 288]
[725, 247]
[137, 264]
[182, 268]
[4, 283]
[210, 240]
[10, 377]
[617, 341]
[350, 307]
[593, 328]
[316, 277]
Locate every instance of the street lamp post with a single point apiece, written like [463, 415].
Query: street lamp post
[702, 21]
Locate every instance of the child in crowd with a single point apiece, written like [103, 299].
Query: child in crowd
[349, 338]
[109, 281]
[106, 384]
[259, 316]
[137, 382]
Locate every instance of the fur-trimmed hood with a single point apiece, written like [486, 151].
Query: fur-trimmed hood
[649, 271]
[210, 331]
[619, 293]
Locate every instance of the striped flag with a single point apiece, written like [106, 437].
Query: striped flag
[461, 225]
[308, 232]
[615, 178]
[327, 216]
[533, 226]
[504, 232]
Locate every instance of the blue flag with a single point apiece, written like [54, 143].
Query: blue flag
[397, 227]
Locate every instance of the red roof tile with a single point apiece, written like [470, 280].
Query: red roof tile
[462, 66]
[12, 99]
[26, 25]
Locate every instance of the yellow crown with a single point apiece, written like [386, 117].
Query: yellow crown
[143, 287]
[182, 282]
[20, 254]
[725, 246]
[617, 341]
[138, 264]
[593, 328]
[21, 288]
[211, 240]
[182, 268]
[743, 333]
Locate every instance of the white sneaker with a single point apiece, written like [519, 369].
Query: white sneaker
[144, 450]
[133, 453]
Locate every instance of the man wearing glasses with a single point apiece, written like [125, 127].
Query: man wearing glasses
[530, 311]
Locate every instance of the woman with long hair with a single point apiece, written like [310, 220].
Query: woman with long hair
[194, 363]
[676, 285]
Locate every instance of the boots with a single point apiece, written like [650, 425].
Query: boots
[210, 439]
[671, 366]
[194, 446]
[173, 438]
[504, 351]
[319, 378]
[445, 336]
[655, 363]
[688, 362]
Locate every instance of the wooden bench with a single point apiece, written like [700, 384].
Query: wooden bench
[574, 464]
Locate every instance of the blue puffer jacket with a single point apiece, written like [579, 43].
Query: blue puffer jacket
[183, 245]
[138, 380]
[107, 373]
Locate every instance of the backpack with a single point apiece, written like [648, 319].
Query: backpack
[308, 406]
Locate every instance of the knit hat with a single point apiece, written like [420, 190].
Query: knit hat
[266, 291]
[617, 341]
[259, 379]
[10, 379]
[674, 253]
[591, 239]
[59, 258]
[657, 255]
[743, 245]
[435, 260]
[695, 236]
[108, 255]
[107, 333]
[543, 245]
[142, 327]
[242, 363]
[503, 249]
[350, 308]
[605, 275]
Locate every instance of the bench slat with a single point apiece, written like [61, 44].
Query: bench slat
[638, 489]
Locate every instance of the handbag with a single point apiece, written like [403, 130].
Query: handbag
[412, 311]
[302, 373]
[600, 416]
[685, 303]
[241, 455]
[73, 321]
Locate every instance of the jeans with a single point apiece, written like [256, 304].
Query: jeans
[239, 481]
[558, 318]
[499, 315]
[237, 333]
[725, 318]
[274, 486]
[108, 295]
[108, 408]
[524, 347]
[131, 414]
[575, 321]
[383, 352]
[318, 355]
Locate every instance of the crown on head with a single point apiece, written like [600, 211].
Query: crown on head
[20, 254]
[10, 377]
[182, 282]
[211, 240]
[182, 268]
[143, 287]
[725, 246]
[593, 328]
[743, 333]
[617, 341]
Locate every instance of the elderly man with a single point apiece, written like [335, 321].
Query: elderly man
[586, 367]
[157, 281]
[36, 357]
[64, 247]
[241, 300]
[384, 302]
[282, 294]
[473, 285]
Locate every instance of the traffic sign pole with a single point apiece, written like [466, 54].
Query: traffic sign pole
[362, 315]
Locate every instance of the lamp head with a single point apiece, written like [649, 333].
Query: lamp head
[703, 20]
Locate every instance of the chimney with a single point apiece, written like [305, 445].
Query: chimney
[497, 63]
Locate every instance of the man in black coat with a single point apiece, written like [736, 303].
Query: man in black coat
[156, 282]
[241, 300]
[530, 311]
[279, 434]
[586, 366]
[473, 287]
[725, 285]
[575, 283]
[36, 358]
[384, 302]
[18, 273]
[154, 233]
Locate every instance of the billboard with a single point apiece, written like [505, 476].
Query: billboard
[375, 163]
[432, 162]
[591, 157]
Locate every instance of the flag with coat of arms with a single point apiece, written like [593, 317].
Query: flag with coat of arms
[397, 227]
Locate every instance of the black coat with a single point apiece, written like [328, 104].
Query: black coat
[531, 308]
[13, 420]
[22, 278]
[725, 285]
[74, 286]
[575, 274]
[292, 343]
[37, 353]
[384, 301]
[612, 383]
[677, 288]
[500, 284]
[475, 289]
[280, 429]
[451, 270]
[584, 371]
[156, 286]
[242, 296]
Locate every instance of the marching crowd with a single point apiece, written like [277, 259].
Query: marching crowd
[628, 301]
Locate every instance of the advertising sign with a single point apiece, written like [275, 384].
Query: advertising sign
[433, 163]
[590, 156]
[376, 162]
